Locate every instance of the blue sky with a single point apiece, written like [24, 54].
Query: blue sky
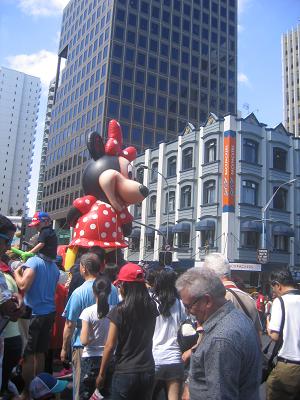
[29, 34]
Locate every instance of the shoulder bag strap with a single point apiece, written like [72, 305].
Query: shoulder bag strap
[279, 342]
[240, 302]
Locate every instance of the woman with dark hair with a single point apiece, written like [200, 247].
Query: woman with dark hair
[131, 330]
[93, 335]
[169, 367]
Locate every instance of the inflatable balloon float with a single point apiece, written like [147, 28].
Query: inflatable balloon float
[100, 218]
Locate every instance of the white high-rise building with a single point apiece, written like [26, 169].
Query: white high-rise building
[291, 76]
[19, 105]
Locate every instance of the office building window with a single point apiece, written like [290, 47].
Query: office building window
[280, 199]
[209, 192]
[250, 239]
[249, 192]
[152, 210]
[170, 202]
[280, 243]
[279, 159]
[154, 172]
[187, 158]
[171, 166]
[186, 197]
[210, 152]
[250, 151]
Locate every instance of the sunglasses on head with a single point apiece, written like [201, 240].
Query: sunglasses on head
[6, 238]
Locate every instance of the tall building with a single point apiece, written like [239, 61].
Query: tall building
[154, 65]
[19, 105]
[208, 191]
[41, 183]
[291, 80]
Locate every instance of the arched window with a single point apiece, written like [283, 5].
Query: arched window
[187, 158]
[249, 192]
[209, 192]
[250, 151]
[210, 152]
[140, 175]
[154, 170]
[171, 166]
[186, 197]
[279, 159]
[152, 210]
[170, 201]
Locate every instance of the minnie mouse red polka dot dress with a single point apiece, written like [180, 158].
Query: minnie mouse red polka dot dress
[100, 225]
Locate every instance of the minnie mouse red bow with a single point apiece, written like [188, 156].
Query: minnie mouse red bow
[113, 146]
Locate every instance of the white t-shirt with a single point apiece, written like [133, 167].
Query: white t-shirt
[98, 330]
[165, 346]
[291, 330]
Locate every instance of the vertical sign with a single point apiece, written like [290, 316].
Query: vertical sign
[229, 168]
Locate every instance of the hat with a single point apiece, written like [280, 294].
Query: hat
[38, 217]
[130, 273]
[44, 384]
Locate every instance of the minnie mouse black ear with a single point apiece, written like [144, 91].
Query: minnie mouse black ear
[95, 145]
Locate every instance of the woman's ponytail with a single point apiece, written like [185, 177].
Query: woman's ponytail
[102, 289]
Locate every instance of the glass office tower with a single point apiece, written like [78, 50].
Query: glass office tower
[154, 65]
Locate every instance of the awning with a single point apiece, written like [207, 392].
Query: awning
[163, 230]
[135, 233]
[283, 230]
[149, 232]
[181, 227]
[251, 226]
[205, 225]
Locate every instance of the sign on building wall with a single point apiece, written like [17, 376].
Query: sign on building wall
[245, 267]
[229, 170]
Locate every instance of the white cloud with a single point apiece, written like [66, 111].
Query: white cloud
[42, 64]
[243, 79]
[42, 7]
[243, 5]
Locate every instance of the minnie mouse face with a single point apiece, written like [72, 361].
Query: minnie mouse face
[109, 176]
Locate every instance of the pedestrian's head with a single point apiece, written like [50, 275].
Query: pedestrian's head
[165, 290]
[45, 386]
[281, 281]
[201, 291]
[219, 264]
[89, 265]
[137, 302]
[40, 219]
[102, 289]
[7, 231]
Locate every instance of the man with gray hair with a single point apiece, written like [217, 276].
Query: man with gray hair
[241, 300]
[226, 364]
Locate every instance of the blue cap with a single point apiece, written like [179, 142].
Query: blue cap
[44, 384]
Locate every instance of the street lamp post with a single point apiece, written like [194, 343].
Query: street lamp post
[168, 192]
[263, 220]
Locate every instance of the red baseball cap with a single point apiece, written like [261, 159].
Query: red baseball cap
[38, 217]
[130, 273]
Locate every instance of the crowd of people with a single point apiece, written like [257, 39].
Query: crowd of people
[127, 333]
